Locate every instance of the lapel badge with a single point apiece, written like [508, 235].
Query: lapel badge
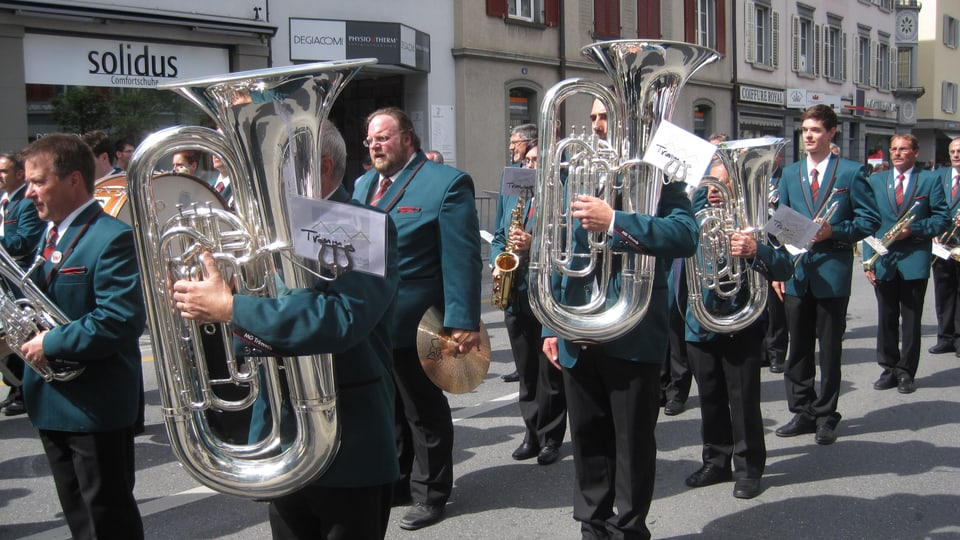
[56, 257]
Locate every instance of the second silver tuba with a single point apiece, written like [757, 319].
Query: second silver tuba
[270, 125]
[712, 271]
[646, 77]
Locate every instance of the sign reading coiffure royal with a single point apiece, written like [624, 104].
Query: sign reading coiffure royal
[313, 40]
[80, 61]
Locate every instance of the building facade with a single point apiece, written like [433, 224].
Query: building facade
[938, 119]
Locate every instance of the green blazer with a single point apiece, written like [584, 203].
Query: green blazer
[672, 233]
[438, 241]
[349, 318]
[22, 228]
[97, 285]
[826, 269]
[910, 257]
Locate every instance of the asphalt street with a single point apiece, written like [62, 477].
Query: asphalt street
[894, 471]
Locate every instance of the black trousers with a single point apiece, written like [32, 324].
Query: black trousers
[899, 299]
[613, 406]
[424, 432]
[94, 475]
[946, 297]
[727, 370]
[332, 513]
[829, 323]
[543, 404]
[676, 377]
[777, 338]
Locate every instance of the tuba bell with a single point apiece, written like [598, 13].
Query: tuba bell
[646, 77]
[712, 270]
[270, 125]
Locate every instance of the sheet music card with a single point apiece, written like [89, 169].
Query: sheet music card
[341, 230]
[681, 155]
[518, 182]
[792, 229]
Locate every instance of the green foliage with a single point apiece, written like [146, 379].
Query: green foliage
[81, 109]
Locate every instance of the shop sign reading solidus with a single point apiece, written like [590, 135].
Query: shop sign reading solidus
[116, 62]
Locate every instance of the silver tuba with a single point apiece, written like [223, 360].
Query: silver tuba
[712, 271]
[270, 126]
[646, 77]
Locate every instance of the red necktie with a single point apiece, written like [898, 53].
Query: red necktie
[953, 192]
[51, 244]
[814, 185]
[384, 184]
[898, 190]
[6, 201]
[219, 187]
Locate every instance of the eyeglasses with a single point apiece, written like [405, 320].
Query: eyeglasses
[519, 141]
[379, 139]
[901, 149]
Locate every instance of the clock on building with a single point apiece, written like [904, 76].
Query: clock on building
[907, 25]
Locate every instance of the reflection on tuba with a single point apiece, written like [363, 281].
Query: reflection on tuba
[712, 270]
[23, 318]
[646, 77]
[271, 123]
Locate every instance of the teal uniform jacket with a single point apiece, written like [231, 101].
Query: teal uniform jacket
[910, 257]
[350, 318]
[438, 241]
[944, 176]
[22, 228]
[97, 285]
[826, 269]
[672, 233]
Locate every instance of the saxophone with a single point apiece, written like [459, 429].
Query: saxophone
[507, 262]
[880, 246]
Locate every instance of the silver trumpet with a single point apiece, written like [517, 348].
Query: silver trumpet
[271, 123]
[23, 318]
[744, 207]
[646, 77]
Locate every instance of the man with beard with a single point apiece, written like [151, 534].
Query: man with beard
[438, 242]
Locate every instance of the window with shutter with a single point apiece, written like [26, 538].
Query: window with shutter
[606, 18]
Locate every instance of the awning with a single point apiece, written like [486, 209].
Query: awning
[760, 121]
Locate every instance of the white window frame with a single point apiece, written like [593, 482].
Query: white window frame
[761, 35]
[948, 98]
[805, 56]
[707, 23]
[834, 53]
[951, 32]
[882, 62]
[861, 52]
[515, 10]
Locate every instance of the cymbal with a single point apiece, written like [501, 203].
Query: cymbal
[449, 369]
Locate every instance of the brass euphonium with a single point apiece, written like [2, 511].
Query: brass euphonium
[271, 123]
[507, 262]
[646, 77]
[948, 239]
[744, 207]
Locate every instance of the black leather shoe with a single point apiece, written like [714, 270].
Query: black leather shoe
[825, 434]
[905, 384]
[673, 407]
[510, 377]
[526, 451]
[548, 455]
[941, 348]
[709, 475]
[14, 409]
[746, 488]
[885, 382]
[776, 367]
[799, 425]
[421, 515]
